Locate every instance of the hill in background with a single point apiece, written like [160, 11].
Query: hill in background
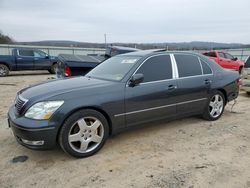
[171, 46]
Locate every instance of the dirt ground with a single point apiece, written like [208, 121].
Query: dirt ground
[189, 152]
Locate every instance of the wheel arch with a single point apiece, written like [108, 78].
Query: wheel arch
[223, 91]
[91, 108]
[6, 64]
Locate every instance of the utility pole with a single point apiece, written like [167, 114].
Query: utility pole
[105, 39]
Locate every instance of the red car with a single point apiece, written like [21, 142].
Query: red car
[225, 60]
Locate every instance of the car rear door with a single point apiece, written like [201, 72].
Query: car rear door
[193, 83]
[41, 60]
[155, 97]
[25, 59]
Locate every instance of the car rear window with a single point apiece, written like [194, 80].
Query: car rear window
[210, 54]
[26, 53]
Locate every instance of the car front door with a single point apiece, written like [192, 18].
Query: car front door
[232, 64]
[154, 98]
[41, 60]
[223, 61]
[193, 83]
[25, 59]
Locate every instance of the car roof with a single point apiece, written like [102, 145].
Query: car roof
[143, 53]
[123, 48]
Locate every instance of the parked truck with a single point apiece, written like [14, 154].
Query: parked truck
[27, 59]
[225, 60]
[74, 65]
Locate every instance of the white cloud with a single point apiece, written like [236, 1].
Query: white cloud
[127, 20]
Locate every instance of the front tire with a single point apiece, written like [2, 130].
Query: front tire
[215, 106]
[84, 133]
[240, 70]
[4, 70]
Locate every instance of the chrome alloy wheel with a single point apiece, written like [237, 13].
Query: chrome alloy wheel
[86, 134]
[216, 106]
[3, 71]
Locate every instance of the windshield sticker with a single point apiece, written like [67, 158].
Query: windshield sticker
[129, 61]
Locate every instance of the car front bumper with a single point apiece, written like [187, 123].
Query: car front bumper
[245, 85]
[33, 134]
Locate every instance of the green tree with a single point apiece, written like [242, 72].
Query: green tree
[4, 39]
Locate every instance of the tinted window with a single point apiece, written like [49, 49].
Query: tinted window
[247, 65]
[206, 68]
[210, 54]
[26, 53]
[228, 56]
[221, 54]
[156, 68]
[188, 65]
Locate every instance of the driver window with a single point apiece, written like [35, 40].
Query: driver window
[156, 68]
[228, 56]
[39, 54]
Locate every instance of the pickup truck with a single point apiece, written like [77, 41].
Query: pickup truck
[225, 60]
[74, 65]
[27, 59]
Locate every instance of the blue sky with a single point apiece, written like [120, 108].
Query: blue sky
[127, 20]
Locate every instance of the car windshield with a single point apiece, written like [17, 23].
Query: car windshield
[114, 68]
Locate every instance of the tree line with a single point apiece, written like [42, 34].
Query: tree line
[5, 39]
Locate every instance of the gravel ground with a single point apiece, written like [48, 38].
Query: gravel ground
[189, 152]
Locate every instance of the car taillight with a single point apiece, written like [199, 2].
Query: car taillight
[67, 71]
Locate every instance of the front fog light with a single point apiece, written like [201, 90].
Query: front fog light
[34, 143]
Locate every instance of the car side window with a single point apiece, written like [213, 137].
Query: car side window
[188, 65]
[156, 68]
[26, 53]
[206, 69]
[228, 56]
[210, 54]
[39, 54]
[221, 54]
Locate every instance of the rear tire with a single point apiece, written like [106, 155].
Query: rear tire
[52, 69]
[214, 107]
[248, 93]
[84, 133]
[4, 70]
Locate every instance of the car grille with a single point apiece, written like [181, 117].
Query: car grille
[19, 103]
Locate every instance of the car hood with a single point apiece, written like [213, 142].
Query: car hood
[53, 88]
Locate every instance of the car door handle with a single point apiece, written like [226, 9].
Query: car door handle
[19, 58]
[171, 87]
[207, 81]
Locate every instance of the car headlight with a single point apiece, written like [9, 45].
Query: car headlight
[43, 110]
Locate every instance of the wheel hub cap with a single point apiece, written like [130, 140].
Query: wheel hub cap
[216, 106]
[86, 134]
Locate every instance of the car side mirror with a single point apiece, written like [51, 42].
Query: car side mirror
[136, 79]
[47, 56]
[235, 59]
